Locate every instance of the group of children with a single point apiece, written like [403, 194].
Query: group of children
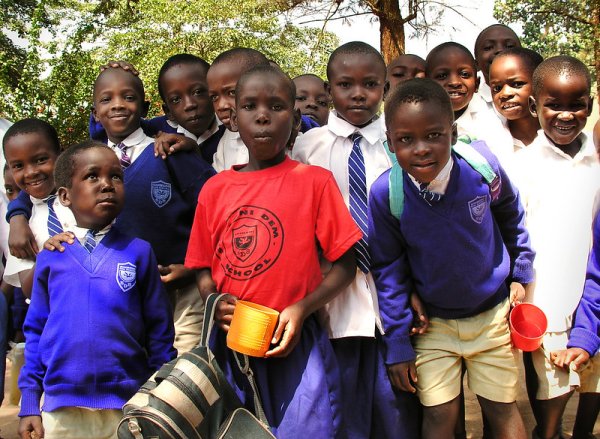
[393, 245]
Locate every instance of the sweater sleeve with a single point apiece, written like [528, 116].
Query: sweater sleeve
[585, 333]
[32, 375]
[97, 131]
[391, 273]
[157, 313]
[189, 171]
[509, 214]
[20, 206]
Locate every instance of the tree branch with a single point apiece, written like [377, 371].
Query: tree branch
[327, 19]
[562, 12]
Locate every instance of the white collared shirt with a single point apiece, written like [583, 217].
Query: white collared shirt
[558, 192]
[39, 226]
[355, 311]
[440, 183]
[80, 233]
[231, 151]
[136, 142]
[213, 128]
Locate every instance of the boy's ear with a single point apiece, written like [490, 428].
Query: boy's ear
[328, 90]
[389, 142]
[590, 107]
[233, 120]
[145, 108]
[167, 112]
[454, 133]
[386, 88]
[533, 106]
[477, 81]
[64, 196]
[295, 128]
[94, 113]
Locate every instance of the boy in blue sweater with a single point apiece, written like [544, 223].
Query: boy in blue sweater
[92, 343]
[449, 214]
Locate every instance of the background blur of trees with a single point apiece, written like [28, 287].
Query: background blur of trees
[60, 45]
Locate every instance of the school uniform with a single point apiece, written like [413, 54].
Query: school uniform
[161, 199]
[208, 141]
[419, 252]
[150, 126]
[558, 193]
[230, 151]
[352, 318]
[104, 334]
[258, 233]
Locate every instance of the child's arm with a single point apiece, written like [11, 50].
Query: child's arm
[225, 306]
[168, 143]
[189, 172]
[391, 273]
[21, 241]
[26, 279]
[29, 425]
[289, 327]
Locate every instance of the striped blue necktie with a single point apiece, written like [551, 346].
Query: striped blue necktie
[54, 226]
[357, 184]
[89, 242]
[125, 159]
[430, 197]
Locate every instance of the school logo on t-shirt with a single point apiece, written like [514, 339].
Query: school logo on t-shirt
[251, 243]
[161, 192]
[478, 207]
[126, 276]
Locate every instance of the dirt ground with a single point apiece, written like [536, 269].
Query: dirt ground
[9, 420]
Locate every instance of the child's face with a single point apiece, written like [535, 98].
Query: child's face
[356, 86]
[185, 90]
[312, 99]
[421, 136]
[96, 195]
[510, 82]
[31, 158]
[10, 187]
[562, 107]
[493, 41]
[453, 69]
[403, 68]
[119, 103]
[264, 117]
[222, 79]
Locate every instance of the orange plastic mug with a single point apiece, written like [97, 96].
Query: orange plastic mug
[251, 328]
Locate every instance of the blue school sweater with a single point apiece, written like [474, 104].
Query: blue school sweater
[160, 201]
[151, 127]
[98, 326]
[458, 254]
[585, 332]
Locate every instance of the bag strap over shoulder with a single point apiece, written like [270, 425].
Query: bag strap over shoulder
[396, 185]
[209, 317]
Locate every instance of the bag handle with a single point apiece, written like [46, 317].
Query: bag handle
[242, 361]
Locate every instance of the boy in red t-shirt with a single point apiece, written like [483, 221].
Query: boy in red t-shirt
[255, 237]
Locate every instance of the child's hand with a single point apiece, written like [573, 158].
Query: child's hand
[21, 241]
[30, 427]
[224, 311]
[55, 242]
[288, 330]
[119, 65]
[517, 293]
[175, 275]
[564, 358]
[403, 375]
[420, 320]
[167, 143]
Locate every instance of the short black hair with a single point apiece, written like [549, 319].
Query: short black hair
[530, 58]
[557, 66]
[137, 82]
[480, 36]
[355, 48]
[32, 125]
[64, 168]
[447, 45]
[406, 55]
[308, 75]
[267, 70]
[243, 56]
[177, 60]
[417, 90]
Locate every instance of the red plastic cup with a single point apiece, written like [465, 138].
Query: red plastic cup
[528, 325]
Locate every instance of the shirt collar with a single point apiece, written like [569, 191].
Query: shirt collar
[80, 232]
[213, 128]
[440, 182]
[372, 133]
[587, 148]
[135, 138]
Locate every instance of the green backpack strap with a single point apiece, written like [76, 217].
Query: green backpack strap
[396, 185]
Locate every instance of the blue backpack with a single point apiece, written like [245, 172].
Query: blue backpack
[463, 149]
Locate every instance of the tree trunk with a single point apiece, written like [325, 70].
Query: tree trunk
[391, 27]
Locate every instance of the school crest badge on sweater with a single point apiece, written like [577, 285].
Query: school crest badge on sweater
[126, 272]
[477, 208]
[161, 192]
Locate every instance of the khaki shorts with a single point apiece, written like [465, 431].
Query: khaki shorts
[81, 423]
[482, 342]
[188, 315]
[554, 381]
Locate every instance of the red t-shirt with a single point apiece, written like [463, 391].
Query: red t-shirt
[258, 231]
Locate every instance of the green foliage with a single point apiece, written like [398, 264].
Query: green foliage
[554, 27]
[51, 77]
